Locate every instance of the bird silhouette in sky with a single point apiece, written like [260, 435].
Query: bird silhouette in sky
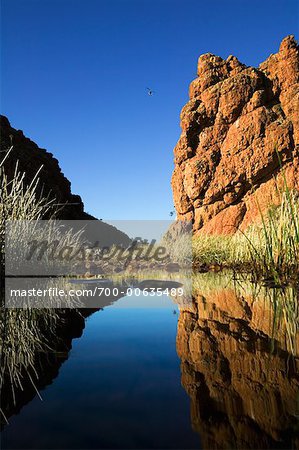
[150, 91]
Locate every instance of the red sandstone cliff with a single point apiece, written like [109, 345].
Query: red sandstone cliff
[235, 122]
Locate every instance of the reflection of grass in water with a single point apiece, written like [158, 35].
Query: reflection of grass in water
[286, 313]
[148, 274]
[22, 337]
[25, 333]
[209, 282]
[283, 303]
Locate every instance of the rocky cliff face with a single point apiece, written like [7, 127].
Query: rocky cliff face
[30, 159]
[243, 384]
[237, 121]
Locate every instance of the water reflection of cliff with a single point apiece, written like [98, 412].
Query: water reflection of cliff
[239, 366]
[239, 360]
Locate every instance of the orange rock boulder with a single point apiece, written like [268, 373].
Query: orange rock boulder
[236, 123]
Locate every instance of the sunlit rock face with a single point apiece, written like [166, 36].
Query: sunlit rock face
[237, 121]
[242, 382]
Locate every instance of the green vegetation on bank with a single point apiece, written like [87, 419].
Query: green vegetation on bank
[268, 250]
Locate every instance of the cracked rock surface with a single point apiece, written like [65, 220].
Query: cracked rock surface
[236, 123]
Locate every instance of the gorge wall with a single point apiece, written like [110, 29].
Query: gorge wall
[30, 158]
[236, 123]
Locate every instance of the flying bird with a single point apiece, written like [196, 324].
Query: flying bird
[150, 91]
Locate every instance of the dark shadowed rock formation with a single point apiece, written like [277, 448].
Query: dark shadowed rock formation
[52, 182]
[237, 119]
[30, 159]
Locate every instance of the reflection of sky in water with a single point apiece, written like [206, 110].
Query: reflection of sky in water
[120, 387]
[145, 301]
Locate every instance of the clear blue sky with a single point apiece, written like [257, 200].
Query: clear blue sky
[74, 79]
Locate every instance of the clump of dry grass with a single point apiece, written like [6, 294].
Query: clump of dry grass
[268, 250]
[21, 204]
[19, 201]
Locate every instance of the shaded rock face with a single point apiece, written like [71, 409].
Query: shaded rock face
[237, 119]
[30, 159]
[243, 392]
[52, 183]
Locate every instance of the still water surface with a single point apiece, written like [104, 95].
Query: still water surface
[218, 372]
[119, 388]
